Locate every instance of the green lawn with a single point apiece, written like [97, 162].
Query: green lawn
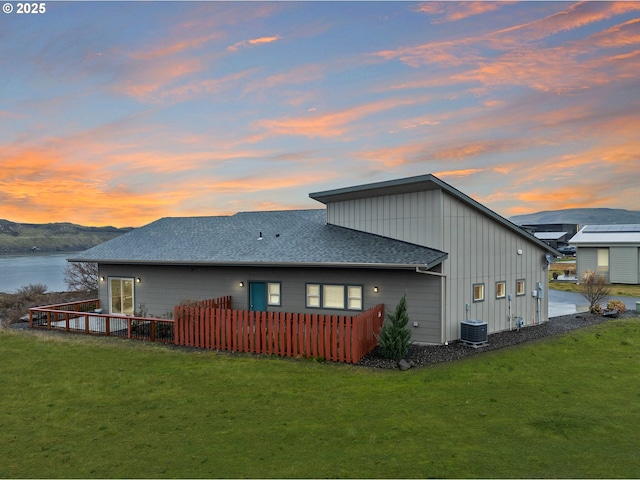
[617, 289]
[75, 406]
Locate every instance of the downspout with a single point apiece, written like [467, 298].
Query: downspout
[443, 297]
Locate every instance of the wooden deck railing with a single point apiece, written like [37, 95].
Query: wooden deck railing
[333, 337]
[86, 317]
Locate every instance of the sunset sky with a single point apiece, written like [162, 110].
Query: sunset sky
[119, 113]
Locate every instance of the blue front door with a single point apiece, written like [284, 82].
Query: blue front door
[258, 296]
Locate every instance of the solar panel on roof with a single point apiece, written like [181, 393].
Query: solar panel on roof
[626, 228]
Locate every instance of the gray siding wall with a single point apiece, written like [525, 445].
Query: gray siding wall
[586, 259]
[623, 265]
[412, 217]
[162, 287]
[483, 251]
[480, 249]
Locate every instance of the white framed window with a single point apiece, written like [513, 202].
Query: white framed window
[603, 260]
[354, 297]
[273, 294]
[501, 289]
[478, 292]
[313, 296]
[520, 286]
[337, 297]
[121, 296]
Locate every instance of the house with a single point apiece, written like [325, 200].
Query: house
[553, 234]
[611, 250]
[454, 258]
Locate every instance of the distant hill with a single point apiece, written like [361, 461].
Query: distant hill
[52, 237]
[580, 216]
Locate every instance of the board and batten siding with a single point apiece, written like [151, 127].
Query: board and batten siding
[481, 250]
[412, 217]
[164, 286]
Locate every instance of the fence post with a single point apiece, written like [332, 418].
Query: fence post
[246, 339]
[176, 322]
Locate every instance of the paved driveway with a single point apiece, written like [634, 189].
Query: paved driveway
[566, 303]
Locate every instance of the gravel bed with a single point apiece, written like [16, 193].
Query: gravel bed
[422, 355]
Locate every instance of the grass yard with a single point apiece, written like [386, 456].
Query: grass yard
[560, 265]
[617, 289]
[75, 406]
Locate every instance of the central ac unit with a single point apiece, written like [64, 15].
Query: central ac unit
[474, 333]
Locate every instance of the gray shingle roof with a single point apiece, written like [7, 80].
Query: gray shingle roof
[298, 237]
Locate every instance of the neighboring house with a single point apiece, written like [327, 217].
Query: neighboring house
[611, 250]
[553, 234]
[553, 239]
[456, 260]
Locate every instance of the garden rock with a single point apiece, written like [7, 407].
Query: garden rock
[404, 365]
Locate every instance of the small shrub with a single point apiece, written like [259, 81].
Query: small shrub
[189, 302]
[616, 305]
[597, 309]
[31, 292]
[395, 337]
[595, 289]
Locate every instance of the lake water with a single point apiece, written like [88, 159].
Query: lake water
[45, 268]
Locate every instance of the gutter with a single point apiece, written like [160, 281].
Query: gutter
[409, 266]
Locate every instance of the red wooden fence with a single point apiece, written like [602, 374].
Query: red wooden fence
[332, 337]
[220, 302]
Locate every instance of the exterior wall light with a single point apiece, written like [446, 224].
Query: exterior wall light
[375, 289]
[138, 280]
[241, 284]
[102, 278]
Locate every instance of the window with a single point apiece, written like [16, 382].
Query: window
[121, 296]
[340, 297]
[478, 292]
[501, 289]
[519, 287]
[273, 294]
[313, 296]
[354, 298]
[333, 296]
[603, 260]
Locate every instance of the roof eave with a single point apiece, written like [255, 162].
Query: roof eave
[411, 266]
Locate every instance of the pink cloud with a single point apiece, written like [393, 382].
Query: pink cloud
[252, 42]
[454, 11]
[332, 124]
[576, 16]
